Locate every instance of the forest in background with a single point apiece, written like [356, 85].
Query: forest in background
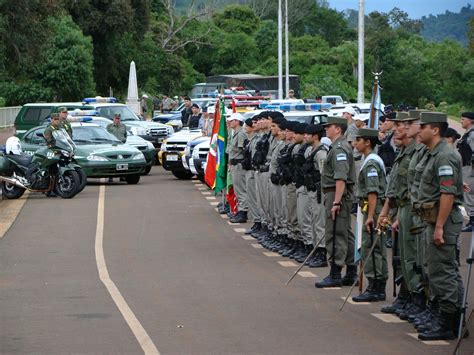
[63, 50]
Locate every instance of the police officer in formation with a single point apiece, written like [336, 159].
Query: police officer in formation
[301, 197]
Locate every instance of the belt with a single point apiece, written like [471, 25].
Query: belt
[236, 161]
[329, 189]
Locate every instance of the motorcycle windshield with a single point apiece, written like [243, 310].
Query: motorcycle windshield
[63, 141]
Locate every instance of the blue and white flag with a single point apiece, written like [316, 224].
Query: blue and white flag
[375, 106]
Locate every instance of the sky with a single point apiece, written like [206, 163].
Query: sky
[415, 8]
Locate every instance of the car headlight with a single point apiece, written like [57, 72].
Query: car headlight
[177, 123]
[187, 150]
[196, 154]
[163, 146]
[170, 130]
[139, 156]
[92, 157]
[138, 131]
[150, 145]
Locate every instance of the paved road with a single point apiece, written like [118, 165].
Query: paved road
[193, 282]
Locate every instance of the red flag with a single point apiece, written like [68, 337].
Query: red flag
[234, 106]
[232, 199]
[210, 173]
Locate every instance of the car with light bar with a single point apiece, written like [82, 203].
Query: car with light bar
[107, 107]
[98, 152]
[188, 151]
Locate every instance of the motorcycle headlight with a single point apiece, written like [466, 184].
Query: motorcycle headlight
[139, 156]
[65, 153]
[92, 157]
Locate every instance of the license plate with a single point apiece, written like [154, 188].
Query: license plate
[160, 140]
[172, 157]
[121, 167]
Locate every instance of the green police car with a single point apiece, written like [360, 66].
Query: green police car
[98, 152]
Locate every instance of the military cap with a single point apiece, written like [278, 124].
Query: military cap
[62, 109]
[469, 115]
[451, 132]
[195, 106]
[416, 114]
[335, 120]
[314, 129]
[300, 127]
[117, 115]
[433, 117]
[402, 117]
[367, 132]
[249, 122]
[388, 117]
[55, 114]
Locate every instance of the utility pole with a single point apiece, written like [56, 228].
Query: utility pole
[280, 61]
[360, 64]
[287, 57]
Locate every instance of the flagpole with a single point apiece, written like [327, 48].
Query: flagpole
[360, 65]
[287, 58]
[280, 66]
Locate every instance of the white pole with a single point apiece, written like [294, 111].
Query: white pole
[360, 65]
[287, 58]
[280, 66]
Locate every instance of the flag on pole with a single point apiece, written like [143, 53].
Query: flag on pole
[211, 169]
[221, 161]
[375, 105]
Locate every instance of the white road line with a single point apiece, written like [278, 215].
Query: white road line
[256, 246]
[349, 300]
[269, 253]
[431, 342]
[247, 237]
[202, 188]
[210, 198]
[135, 326]
[388, 318]
[214, 203]
[224, 216]
[286, 263]
[233, 224]
[307, 274]
[206, 192]
[239, 230]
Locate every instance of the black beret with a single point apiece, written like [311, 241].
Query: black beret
[256, 117]
[314, 129]
[291, 126]
[275, 114]
[277, 120]
[204, 109]
[469, 115]
[195, 105]
[301, 127]
[451, 132]
[249, 122]
[283, 125]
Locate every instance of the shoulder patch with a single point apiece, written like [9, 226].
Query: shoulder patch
[341, 157]
[445, 170]
[372, 173]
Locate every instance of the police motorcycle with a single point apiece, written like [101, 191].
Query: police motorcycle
[48, 170]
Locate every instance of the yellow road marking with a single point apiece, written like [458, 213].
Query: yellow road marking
[135, 326]
[9, 210]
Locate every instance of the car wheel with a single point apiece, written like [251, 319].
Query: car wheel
[183, 175]
[132, 179]
[147, 170]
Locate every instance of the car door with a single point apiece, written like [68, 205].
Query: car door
[33, 140]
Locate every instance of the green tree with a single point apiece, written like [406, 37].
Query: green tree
[237, 18]
[67, 69]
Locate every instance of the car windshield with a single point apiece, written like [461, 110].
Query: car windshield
[93, 134]
[125, 113]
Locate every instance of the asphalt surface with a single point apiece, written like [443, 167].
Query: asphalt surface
[195, 285]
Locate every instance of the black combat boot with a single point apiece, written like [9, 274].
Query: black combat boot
[319, 258]
[399, 302]
[299, 251]
[287, 247]
[441, 328]
[374, 292]
[305, 253]
[240, 217]
[333, 279]
[291, 249]
[418, 306]
[255, 227]
[284, 244]
[351, 276]
[276, 244]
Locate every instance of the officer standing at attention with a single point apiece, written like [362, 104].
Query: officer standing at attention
[313, 167]
[466, 148]
[440, 195]
[370, 193]
[64, 122]
[118, 129]
[53, 126]
[337, 181]
[235, 149]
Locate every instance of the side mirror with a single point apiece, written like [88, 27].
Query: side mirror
[40, 134]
